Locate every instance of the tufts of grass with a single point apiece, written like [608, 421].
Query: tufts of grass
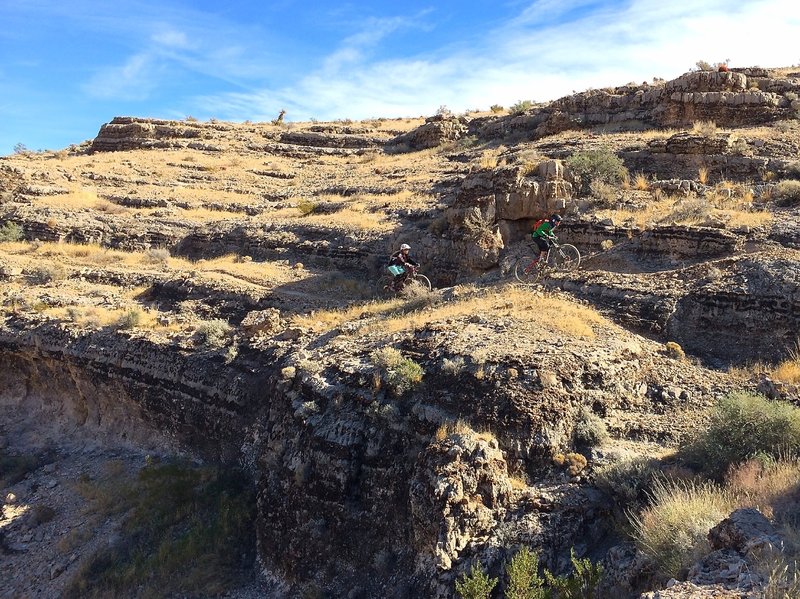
[574, 463]
[306, 206]
[452, 427]
[705, 128]
[673, 530]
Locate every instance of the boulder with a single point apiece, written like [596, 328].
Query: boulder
[743, 530]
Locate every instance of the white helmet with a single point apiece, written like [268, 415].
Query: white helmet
[405, 246]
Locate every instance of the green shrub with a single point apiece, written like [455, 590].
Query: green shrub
[581, 584]
[453, 366]
[40, 514]
[674, 350]
[589, 429]
[10, 232]
[400, 374]
[628, 482]
[673, 530]
[14, 468]
[214, 333]
[476, 585]
[596, 165]
[523, 576]
[157, 256]
[307, 207]
[520, 107]
[130, 319]
[41, 275]
[495, 108]
[787, 192]
[188, 531]
[744, 425]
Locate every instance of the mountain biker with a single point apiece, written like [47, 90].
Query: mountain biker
[543, 236]
[400, 265]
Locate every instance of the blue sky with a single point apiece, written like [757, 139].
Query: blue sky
[68, 66]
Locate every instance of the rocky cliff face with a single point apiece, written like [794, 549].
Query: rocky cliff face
[353, 471]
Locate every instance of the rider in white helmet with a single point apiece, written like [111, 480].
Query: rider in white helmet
[400, 265]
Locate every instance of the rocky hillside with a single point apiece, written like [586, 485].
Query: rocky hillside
[208, 290]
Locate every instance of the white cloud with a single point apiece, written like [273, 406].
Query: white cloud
[172, 38]
[132, 80]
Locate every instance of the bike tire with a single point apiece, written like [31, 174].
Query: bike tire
[565, 258]
[531, 275]
[381, 289]
[424, 282]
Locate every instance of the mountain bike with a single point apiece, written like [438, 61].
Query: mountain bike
[385, 286]
[560, 258]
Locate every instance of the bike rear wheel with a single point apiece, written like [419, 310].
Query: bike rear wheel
[565, 258]
[383, 288]
[525, 271]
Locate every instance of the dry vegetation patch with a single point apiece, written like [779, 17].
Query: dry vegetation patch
[536, 314]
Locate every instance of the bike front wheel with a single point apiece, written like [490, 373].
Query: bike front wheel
[526, 271]
[565, 258]
[422, 281]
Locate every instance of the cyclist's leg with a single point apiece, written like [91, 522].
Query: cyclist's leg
[543, 247]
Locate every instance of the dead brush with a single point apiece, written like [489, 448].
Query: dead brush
[705, 128]
[788, 371]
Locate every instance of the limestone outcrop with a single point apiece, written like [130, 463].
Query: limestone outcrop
[434, 132]
[725, 98]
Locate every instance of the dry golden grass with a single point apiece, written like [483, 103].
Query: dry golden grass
[325, 320]
[546, 315]
[518, 483]
[366, 212]
[654, 211]
[131, 317]
[733, 206]
[79, 197]
[788, 371]
[206, 215]
[458, 427]
[702, 175]
[705, 128]
[353, 217]
[260, 273]
[655, 134]
[641, 182]
[762, 486]
[231, 264]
